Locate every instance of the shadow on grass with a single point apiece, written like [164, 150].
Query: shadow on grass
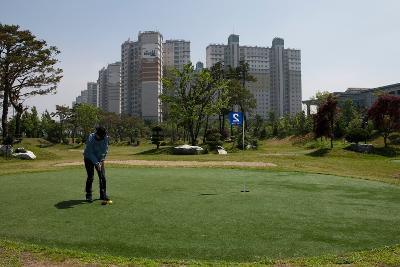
[45, 145]
[69, 204]
[389, 152]
[319, 152]
[160, 151]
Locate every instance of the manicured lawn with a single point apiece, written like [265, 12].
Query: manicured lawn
[197, 213]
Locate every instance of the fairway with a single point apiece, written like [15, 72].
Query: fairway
[200, 213]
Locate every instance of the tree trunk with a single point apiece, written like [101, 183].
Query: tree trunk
[385, 140]
[73, 135]
[61, 130]
[223, 124]
[192, 136]
[4, 124]
[332, 134]
[205, 131]
[18, 124]
[220, 123]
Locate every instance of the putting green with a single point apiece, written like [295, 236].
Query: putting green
[201, 213]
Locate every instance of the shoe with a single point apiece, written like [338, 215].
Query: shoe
[106, 198]
[89, 198]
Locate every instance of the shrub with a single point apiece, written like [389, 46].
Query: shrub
[157, 135]
[355, 133]
[248, 141]
[213, 138]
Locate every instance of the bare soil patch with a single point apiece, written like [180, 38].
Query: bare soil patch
[165, 163]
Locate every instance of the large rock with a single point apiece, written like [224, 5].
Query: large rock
[188, 150]
[27, 155]
[221, 150]
[362, 148]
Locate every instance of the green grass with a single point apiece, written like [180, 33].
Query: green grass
[19, 254]
[307, 159]
[200, 214]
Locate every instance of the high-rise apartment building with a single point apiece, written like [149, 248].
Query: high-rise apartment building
[277, 70]
[88, 96]
[214, 53]
[91, 88]
[176, 54]
[285, 79]
[141, 73]
[143, 63]
[130, 78]
[109, 88]
[199, 66]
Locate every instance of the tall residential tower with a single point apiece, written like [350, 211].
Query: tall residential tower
[143, 63]
[141, 73]
[277, 70]
[109, 88]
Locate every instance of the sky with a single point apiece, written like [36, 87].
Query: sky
[343, 43]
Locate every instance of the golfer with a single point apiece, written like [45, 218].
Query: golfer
[94, 156]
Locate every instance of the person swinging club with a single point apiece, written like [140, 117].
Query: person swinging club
[94, 156]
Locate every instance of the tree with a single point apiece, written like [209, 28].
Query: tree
[63, 113]
[347, 113]
[301, 124]
[86, 119]
[213, 138]
[355, 132]
[218, 74]
[50, 128]
[30, 123]
[240, 95]
[131, 127]
[320, 97]
[191, 97]
[273, 122]
[112, 122]
[385, 113]
[27, 68]
[324, 120]
[258, 126]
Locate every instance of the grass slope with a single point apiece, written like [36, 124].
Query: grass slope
[201, 214]
[313, 158]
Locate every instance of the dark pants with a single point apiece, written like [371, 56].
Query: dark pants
[90, 173]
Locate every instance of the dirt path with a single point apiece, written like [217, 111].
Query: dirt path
[165, 163]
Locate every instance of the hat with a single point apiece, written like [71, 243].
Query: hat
[101, 131]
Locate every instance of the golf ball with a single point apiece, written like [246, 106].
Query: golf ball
[110, 202]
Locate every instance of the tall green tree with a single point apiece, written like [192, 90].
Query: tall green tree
[86, 117]
[30, 123]
[273, 122]
[218, 74]
[131, 128]
[190, 96]
[302, 124]
[240, 94]
[50, 128]
[63, 113]
[27, 68]
[320, 97]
